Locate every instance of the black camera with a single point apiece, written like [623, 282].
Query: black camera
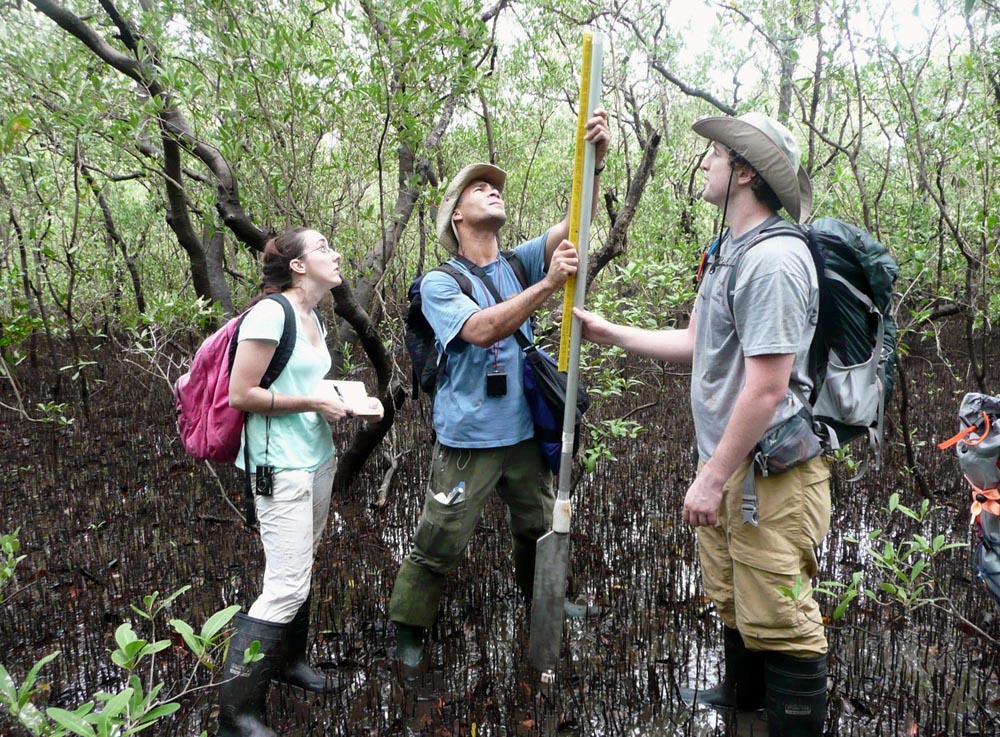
[265, 481]
[496, 382]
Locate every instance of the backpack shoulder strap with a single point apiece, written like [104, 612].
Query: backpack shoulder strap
[282, 354]
[480, 274]
[783, 228]
[463, 281]
[518, 266]
[286, 343]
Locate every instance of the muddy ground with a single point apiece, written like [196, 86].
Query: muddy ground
[110, 509]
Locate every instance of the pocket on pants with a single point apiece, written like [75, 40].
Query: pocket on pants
[291, 486]
[440, 538]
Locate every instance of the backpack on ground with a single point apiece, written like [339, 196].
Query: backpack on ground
[209, 428]
[425, 362]
[853, 352]
[977, 444]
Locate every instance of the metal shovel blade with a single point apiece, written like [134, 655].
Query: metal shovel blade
[547, 600]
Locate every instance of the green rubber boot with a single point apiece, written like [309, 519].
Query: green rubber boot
[413, 607]
[409, 644]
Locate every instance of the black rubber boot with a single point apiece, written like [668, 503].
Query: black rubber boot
[796, 695]
[243, 694]
[742, 686]
[296, 670]
[524, 565]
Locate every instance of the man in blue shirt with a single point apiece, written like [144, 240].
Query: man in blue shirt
[485, 434]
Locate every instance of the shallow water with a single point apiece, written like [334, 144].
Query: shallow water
[111, 509]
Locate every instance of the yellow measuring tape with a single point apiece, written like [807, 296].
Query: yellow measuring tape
[576, 198]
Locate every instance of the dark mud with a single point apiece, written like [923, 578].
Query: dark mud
[110, 509]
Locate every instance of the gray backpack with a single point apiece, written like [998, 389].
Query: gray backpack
[978, 446]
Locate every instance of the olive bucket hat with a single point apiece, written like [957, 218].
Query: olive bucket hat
[472, 173]
[771, 150]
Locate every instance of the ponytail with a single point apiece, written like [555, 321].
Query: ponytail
[279, 252]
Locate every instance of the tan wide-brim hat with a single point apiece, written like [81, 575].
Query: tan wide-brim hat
[472, 173]
[771, 150]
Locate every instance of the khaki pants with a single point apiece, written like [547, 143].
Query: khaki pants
[743, 566]
[292, 521]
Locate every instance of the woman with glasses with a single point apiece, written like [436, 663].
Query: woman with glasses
[288, 451]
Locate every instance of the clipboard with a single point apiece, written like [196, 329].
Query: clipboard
[353, 394]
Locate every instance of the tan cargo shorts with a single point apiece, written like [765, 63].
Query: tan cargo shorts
[743, 566]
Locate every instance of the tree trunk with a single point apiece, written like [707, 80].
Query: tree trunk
[618, 235]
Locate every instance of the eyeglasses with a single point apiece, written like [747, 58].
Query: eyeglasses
[324, 249]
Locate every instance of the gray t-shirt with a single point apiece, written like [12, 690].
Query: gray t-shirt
[775, 308]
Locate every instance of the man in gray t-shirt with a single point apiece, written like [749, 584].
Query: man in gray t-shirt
[748, 344]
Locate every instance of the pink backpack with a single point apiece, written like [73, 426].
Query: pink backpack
[209, 428]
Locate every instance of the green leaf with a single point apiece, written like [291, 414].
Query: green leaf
[113, 709]
[29, 681]
[156, 647]
[252, 654]
[134, 649]
[32, 718]
[72, 720]
[217, 621]
[190, 638]
[888, 553]
[178, 592]
[842, 606]
[160, 711]
[155, 691]
[8, 689]
[124, 635]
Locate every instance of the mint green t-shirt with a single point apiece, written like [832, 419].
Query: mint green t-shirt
[301, 441]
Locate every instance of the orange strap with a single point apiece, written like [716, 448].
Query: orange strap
[955, 439]
[987, 500]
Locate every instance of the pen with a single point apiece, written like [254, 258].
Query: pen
[350, 412]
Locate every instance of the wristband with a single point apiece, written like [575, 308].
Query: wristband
[599, 169]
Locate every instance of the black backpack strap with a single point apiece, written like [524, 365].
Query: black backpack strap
[466, 286]
[517, 265]
[458, 275]
[286, 344]
[481, 274]
[282, 354]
